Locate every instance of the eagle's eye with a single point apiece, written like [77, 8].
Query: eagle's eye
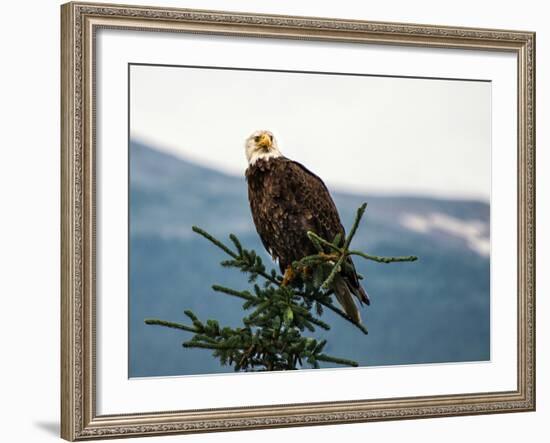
[257, 138]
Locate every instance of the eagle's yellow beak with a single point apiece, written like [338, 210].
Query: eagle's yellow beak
[265, 141]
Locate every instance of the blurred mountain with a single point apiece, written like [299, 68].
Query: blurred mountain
[431, 311]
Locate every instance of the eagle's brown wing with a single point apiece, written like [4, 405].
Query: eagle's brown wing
[287, 200]
[319, 213]
[328, 226]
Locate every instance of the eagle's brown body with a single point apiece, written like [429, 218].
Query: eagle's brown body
[287, 201]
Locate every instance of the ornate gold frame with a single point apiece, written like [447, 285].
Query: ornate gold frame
[79, 21]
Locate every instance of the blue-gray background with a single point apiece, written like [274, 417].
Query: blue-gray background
[434, 310]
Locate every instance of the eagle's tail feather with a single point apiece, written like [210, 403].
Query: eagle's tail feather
[344, 296]
[361, 294]
[354, 284]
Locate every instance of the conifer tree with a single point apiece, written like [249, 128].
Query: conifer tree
[278, 330]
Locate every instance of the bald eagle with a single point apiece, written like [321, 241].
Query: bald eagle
[287, 200]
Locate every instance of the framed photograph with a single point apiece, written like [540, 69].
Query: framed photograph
[283, 221]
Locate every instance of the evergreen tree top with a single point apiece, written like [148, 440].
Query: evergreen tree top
[279, 316]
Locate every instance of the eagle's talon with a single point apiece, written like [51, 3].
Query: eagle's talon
[288, 276]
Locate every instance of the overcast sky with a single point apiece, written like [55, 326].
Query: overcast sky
[358, 133]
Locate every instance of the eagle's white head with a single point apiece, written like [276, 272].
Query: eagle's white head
[261, 145]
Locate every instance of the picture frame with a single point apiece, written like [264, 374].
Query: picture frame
[80, 23]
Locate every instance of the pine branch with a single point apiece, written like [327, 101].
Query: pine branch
[169, 324]
[319, 240]
[345, 316]
[241, 294]
[379, 259]
[355, 225]
[272, 334]
[200, 345]
[218, 243]
[340, 361]
[241, 258]
[343, 252]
